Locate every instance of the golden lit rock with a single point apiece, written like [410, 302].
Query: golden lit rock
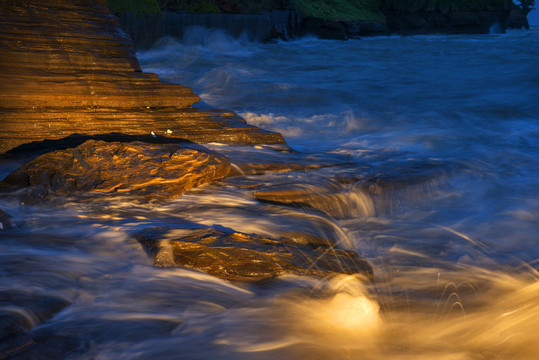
[153, 171]
[67, 67]
[245, 257]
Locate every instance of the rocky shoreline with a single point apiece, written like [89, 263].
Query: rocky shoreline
[84, 122]
[288, 24]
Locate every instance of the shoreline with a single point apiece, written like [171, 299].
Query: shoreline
[146, 29]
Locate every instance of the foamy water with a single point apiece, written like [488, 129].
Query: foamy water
[435, 145]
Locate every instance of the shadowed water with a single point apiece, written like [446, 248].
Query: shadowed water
[430, 149]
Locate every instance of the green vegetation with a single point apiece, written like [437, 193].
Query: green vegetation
[341, 9]
[136, 6]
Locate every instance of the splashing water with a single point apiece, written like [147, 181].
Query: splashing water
[426, 152]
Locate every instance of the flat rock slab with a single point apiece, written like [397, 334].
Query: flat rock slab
[237, 256]
[332, 199]
[153, 171]
[67, 67]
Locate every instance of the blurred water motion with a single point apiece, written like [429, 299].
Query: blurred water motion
[427, 152]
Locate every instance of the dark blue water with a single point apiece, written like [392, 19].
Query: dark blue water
[433, 143]
[469, 103]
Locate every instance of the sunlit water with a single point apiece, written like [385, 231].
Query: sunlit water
[450, 122]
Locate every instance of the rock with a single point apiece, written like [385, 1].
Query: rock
[425, 19]
[67, 67]
[20, 311]
[5, 222]
[154, 171]
[237, 256]
[335, 201]
[247, 168]
[410, 182]
[323, 28]
[517, 19]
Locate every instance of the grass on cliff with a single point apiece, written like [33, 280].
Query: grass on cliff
[135, 6]
[341, 9]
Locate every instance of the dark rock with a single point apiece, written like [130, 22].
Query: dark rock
[5, 220]
[146, 30]
[19, 313]
[517, 19]
[46, 345]
[154, 171]
[424, 20]
[67, 67]
[14, 338]
[245, 257]
[392, 190]
[323, 28]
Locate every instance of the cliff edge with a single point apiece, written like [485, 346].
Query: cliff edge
[67, 68]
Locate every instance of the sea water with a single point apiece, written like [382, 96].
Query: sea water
[443, 130]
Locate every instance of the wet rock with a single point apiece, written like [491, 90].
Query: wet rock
[425, 19]
[5, 222]
[314, 241]
[335, 201]
[20, 311]
[263, 159]
[14, 338]
[391, 190]
[517, 19]
[46, 345]
[259, 169]
[245, 257]
[67, 67]
[154, 171]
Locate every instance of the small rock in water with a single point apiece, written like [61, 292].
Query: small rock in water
[154, 171]
[20, 311]
[245, 257]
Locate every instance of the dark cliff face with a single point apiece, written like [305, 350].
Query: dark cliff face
[67, 67]
[439, 19]
[283, 19]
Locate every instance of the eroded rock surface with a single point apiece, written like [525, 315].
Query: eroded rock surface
[245, 257]
[154, 171]
[67, 67]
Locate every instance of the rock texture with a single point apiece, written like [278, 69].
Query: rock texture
[154, 171]
[334, 200]
[245, 257]
[68, 67]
